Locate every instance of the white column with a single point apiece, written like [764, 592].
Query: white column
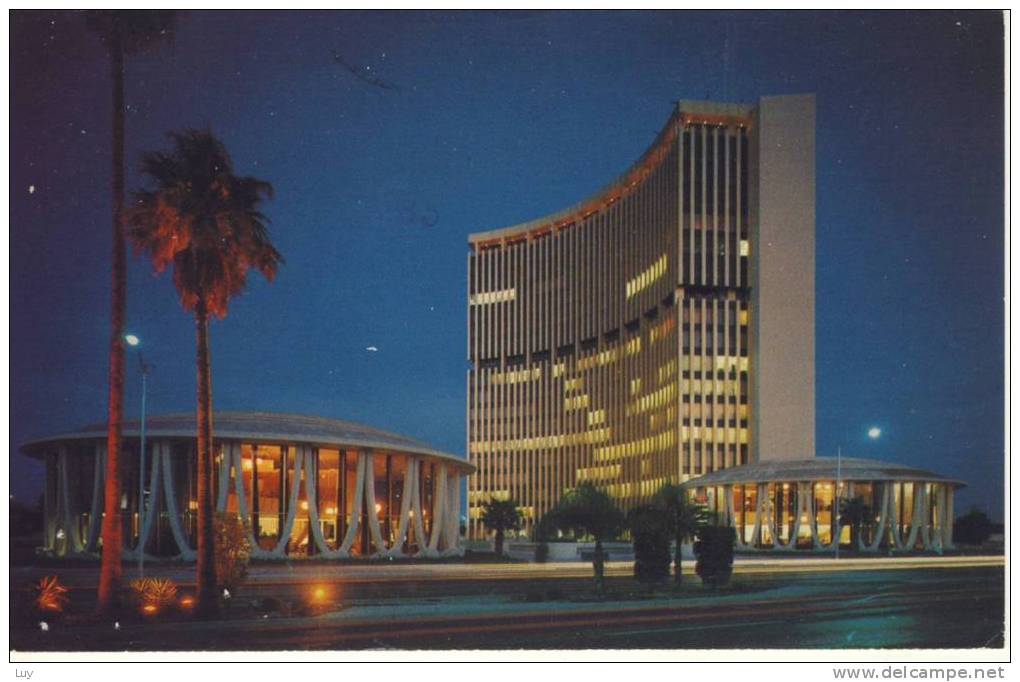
[148, 520]
[359, 496]
[96, 506]
[224, 482]
[883, 519]
[50, 511]
[949, 518]
[397, 548]
[295, 491]
[312, 495]
[917, 520]
[813, 516]
[759, 510]
[438, 511]
[416, 510]
[71, 543]
[185, 551]
[732, 517]
[233, 472]
[373, 516]
[776, 528]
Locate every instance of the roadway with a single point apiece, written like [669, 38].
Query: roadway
[901, 603]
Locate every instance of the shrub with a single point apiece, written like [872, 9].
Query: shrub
[154, 594]
[542, 552]
[232, 550]
[50, 595]
[542, 532]
[650, 530]
[973, 528]
[714, 552]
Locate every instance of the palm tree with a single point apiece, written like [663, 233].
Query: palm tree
[685, 520]
[586, 510]
[501, 516]
[123, 32]
[853, 513]
[204, 221]
[650, 530]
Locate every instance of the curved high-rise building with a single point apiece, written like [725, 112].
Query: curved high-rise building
[660, 330]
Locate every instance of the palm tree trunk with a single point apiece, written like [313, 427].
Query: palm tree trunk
[499, 542]
[599, 564]
[678, 559]
[207, 595]
[110, 568]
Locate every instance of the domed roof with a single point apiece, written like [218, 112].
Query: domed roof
[819, 469]
[261, 427]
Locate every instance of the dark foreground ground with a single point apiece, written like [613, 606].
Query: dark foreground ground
[866, 607]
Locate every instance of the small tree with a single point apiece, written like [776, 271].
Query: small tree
[232, 550]
[714, 552]
[542, 532]
[650, 530]
[586, 510]
[853, 513]
[501, 516]
[685, 520]
[973, 528]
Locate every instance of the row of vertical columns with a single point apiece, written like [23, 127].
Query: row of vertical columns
[64, 535]
[931, 534]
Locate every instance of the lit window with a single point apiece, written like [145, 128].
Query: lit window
[487, 297]
[646, 278]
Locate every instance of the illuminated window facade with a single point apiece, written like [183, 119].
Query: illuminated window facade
[634, 318]
[305, 486]
[794, 505]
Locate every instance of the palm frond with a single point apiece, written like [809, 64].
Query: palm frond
[203, 220]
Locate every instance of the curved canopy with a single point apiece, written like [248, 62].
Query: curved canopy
[819, 469]
[261, 427]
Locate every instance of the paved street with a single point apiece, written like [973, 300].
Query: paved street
[800, 604]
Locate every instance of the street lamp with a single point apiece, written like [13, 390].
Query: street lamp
[135, 342]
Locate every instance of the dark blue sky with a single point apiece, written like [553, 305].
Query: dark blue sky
[496, 118]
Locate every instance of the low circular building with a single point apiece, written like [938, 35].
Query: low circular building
[306, 486]
[790, 505]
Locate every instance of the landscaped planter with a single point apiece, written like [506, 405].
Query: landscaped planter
[570, 551]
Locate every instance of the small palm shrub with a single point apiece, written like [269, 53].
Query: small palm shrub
[154, 594]
[50, 595]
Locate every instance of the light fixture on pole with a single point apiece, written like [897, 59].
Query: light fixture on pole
[135, 342]
[836, 498]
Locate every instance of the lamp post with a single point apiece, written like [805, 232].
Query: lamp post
[135, 342]
[837, 495]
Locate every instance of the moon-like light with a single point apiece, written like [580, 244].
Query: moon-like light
[874, 432]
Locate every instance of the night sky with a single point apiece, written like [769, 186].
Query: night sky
[485, 120]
